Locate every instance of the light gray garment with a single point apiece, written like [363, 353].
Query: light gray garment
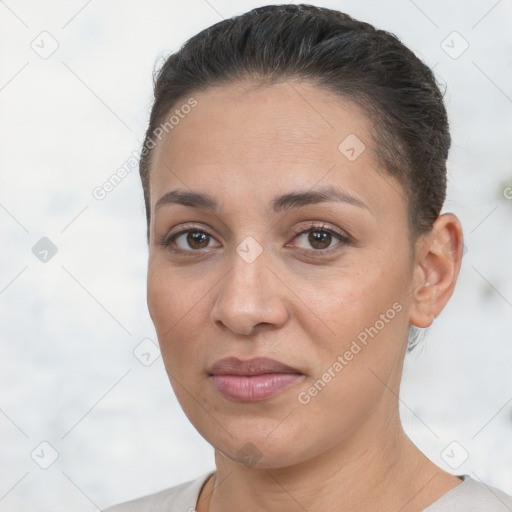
[468, 496]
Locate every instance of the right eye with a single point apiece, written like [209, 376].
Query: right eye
[188, 240]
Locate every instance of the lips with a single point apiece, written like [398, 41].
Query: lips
[255, 366]
[253, 380]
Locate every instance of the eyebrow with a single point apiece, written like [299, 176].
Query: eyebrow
[289, 201]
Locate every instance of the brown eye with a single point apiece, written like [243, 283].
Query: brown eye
[198, 239]
[319, 239]
[189, 240]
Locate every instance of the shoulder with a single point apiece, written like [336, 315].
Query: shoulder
[182, 498]
[472, 496]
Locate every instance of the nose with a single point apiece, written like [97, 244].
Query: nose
[250, 297]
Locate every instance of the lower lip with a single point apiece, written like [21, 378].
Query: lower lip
[242, 388]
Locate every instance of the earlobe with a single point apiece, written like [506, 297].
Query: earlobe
[438, 260]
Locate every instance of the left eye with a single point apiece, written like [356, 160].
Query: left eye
[319, 238]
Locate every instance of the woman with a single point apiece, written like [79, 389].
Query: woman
[294, 172]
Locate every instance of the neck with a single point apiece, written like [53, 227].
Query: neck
[374, 469]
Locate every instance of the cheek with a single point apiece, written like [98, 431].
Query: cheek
[360, 316]
[356, 364]
[347, 301]
[175, 305]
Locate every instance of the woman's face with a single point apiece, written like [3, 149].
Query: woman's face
[331, 303]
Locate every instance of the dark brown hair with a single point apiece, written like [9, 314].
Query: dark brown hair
[371, 67]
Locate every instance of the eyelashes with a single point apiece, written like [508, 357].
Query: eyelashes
[322, 230]
[321, 239]
[169, 240]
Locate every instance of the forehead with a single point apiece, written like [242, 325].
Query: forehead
[242, 138]
[289, 115]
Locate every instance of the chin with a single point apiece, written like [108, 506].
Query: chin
[257, 456]
[254, 447]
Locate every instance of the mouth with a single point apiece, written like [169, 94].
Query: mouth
[253, 380]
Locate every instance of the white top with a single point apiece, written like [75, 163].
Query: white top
[468, 496]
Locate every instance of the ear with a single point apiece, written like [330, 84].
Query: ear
[438, 259]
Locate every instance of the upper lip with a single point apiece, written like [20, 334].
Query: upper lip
[254, 366]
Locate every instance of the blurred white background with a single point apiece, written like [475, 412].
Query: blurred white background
[75, 93]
